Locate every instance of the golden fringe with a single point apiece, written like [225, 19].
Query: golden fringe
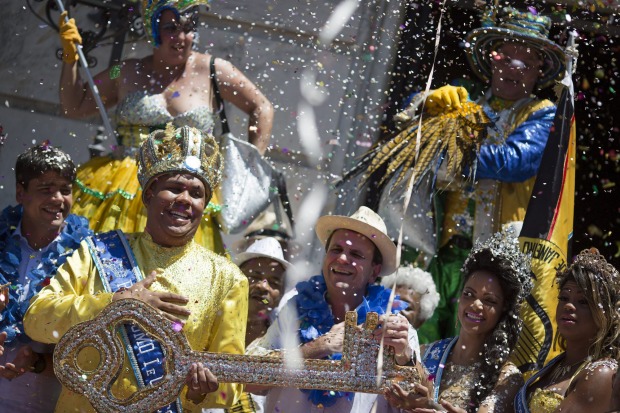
[458, 134]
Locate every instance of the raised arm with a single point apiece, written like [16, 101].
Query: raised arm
[76, 98]
[241, 92]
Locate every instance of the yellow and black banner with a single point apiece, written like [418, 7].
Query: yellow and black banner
[546, 236]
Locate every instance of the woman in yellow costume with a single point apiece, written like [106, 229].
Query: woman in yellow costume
[471, 372]
[588, 319]
[174, 84]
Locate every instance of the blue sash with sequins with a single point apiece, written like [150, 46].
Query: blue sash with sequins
[434, 360]
[118, 269]
[521, 405]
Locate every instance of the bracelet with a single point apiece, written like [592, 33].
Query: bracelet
[40, 364]
[411, 360]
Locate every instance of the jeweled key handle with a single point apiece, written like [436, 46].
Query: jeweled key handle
[356, 372]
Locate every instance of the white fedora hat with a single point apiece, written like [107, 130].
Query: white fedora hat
[264, 248]
[366, 222]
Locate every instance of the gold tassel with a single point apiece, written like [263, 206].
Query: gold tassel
[458, 133]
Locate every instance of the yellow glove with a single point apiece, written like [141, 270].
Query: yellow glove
[445, 99]
[69, 38]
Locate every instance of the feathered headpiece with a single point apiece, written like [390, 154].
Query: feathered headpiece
[152, 10]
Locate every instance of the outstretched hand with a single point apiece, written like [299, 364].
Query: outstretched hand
[325, 345]
[334, 339]
[450, 408]
[445, 99]
[416, 400]
[167, 303]
[200, 381]
[69, 38]
[23, 362]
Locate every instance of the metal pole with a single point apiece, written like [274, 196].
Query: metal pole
[91, 82]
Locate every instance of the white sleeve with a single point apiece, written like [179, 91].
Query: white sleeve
[414, 342]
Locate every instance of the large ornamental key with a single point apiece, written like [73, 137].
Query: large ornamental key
[356, 372]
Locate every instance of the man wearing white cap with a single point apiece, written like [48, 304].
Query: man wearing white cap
[264, 264]
[357, 252]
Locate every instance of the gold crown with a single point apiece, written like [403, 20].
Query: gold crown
[185, 149]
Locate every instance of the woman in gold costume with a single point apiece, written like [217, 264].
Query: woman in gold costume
[580, 379]
[172, 85]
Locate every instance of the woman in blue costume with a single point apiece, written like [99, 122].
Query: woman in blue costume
[174, 84]
[470, 372]
[588, 319]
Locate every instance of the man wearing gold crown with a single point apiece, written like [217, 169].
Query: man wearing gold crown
[203, 293]
[513, 53]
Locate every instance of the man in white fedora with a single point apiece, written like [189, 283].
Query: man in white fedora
[357, 252]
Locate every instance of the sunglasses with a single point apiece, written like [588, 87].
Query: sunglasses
[174, 28]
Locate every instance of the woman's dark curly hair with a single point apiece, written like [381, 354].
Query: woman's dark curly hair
[501, 257]
[600, 283]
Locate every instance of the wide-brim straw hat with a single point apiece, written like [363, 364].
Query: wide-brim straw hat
[516, 27]
[263, 248]
[366, 222]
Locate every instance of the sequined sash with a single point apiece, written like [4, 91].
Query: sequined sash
[521, 405]
[118, 269]
[435, 358]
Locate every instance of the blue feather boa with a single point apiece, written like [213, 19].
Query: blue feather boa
[316, 319]
[74, 231]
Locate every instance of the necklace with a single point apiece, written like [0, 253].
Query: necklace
[561, 371]
[499, 104]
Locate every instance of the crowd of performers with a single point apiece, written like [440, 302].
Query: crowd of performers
[142, 226]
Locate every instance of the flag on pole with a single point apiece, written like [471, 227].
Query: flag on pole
[546, 236]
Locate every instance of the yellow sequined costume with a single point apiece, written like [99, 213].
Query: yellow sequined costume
[546, 400]
[107, 191]
[218, 300]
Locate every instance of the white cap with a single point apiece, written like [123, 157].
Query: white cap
[263, 248]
